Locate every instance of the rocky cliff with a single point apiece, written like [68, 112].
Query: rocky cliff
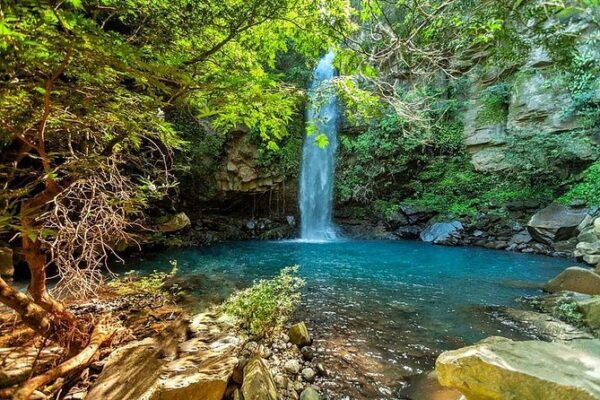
[509, 106]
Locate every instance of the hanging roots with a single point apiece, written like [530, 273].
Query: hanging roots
[87, 221]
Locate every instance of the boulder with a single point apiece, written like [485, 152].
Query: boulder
[6, 262]
[440, 232]
[597, 226]
[498, 369]
[555, 223]
[309, 374]
[258, 381]
[176, 223]
[589, 251]
[299, 335]
[590, 309]
[408, 232]
[292, 366]
[575, 279]
[164, 369]
[520, 238]
[545, 326]
[588, 235]
[416, 214]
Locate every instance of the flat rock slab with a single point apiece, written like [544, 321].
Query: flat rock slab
[16, 363]
[499, 369]
[198, 368]
[545, 326]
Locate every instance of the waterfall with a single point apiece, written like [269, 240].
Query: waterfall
[318, 163]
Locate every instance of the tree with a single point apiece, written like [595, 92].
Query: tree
[84, 86]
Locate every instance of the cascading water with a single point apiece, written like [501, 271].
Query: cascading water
[318, 163]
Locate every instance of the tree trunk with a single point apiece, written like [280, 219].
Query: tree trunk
[33, 315]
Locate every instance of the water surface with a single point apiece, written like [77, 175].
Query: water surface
[383, 309]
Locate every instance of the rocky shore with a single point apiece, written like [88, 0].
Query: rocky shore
[524, 226]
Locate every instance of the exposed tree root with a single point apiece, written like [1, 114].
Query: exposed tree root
[99, 335]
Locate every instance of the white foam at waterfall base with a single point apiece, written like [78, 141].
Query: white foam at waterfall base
[318, 163]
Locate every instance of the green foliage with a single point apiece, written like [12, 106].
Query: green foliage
[494, 101]
[132, 283]
[453, 188]
[268, 304]
[569, 312]
[588, 189]
[582, 80]
[386, 209]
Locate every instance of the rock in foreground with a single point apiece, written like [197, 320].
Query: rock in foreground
[575, 279]
[499, 368]
[258, 381]
[299, 335]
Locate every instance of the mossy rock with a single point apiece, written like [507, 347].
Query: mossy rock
[299, 335]
[258, 381]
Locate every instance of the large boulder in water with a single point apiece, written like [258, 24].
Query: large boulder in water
[555, 223]
[575, 279]
[499, 368]
[441, 232]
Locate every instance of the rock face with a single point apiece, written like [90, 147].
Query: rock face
[528, 104]
[441, 232]
[6, 262]
[575, 279]
[555, 223]
[258, 381]
[499, 369]
[174, 224]
[299, 335]
[242, 171]
[163, 369]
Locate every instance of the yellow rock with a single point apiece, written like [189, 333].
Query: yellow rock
[501, 369]
[299, 335]
[258, 381]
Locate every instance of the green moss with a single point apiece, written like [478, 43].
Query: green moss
[587, 189]
[494, 101]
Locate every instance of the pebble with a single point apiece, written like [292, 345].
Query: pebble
[308, 353]
[281, 381]
[298, 386]
[309, 374]
[322, 370]
[292, 366]
[309, 394]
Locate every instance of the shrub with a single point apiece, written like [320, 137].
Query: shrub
[263, 308]
[568, 312]
[588, 189]
[133, 283]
